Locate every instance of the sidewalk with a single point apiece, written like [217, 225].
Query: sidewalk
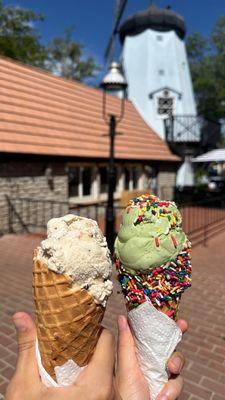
[202, 306]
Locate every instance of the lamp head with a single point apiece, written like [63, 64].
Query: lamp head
[114, 79]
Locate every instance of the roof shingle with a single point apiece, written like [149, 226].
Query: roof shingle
[44, 114]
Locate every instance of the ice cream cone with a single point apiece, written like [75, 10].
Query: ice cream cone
[153, 262]
[68, 320]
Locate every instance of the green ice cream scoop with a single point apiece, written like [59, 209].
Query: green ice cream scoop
[150, 234]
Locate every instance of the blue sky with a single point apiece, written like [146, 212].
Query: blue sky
[93, 19]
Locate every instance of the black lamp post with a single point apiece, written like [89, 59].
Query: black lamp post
[113, 82]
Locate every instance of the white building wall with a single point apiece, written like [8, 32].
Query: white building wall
[152, 61]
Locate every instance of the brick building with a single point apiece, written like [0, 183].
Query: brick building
[54, 142]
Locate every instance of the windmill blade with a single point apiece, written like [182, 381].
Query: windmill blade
[119, 9]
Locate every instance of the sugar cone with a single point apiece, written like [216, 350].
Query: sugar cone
[68, 320]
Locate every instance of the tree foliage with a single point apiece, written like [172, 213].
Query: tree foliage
[207, 60]
[66, 58]
[20, 39]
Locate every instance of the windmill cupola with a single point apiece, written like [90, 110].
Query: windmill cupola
[158, 19]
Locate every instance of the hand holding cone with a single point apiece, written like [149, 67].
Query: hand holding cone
[68, 316]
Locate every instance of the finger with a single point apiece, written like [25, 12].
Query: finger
[117, 395]
[183, 325]
[26, 337]
[171, 390]
[103, 357]
[129, 377]
[176, 363]
[126, 354]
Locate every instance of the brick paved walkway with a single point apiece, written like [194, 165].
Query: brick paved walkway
[202, 306]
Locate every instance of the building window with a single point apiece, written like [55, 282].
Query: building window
[165, 104]
[135, 177]
[74, 179]
[161, 72]
[86, 180]
[80, 181]
[103, 179]
[127, 178]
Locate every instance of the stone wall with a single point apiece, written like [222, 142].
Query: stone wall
[26, 183]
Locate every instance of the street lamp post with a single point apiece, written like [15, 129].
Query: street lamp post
[113, 82]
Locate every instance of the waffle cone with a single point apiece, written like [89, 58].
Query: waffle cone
[68, 320]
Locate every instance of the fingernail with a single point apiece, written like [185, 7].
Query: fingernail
[177, 364]
[122, 323]
[20, 324]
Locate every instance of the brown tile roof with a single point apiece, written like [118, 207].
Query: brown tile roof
[44, 114]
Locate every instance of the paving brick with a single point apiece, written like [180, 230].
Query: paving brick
[203, 344]
[217, 366]
[222, 377]
[217, 397]
[215, 387]
[192, 376]
[220, 350]
[194, 398]
[5, 340]
[211, 356]
[199, 391]
[4, 352]
[11, 359]
[216, 339]
[8, 372]
[3, 364]
[3, 387]
[185, 396]
[203, 370]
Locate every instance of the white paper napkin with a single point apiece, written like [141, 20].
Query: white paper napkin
[66, 374]
[156, 337]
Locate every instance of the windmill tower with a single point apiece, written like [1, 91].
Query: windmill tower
[156, 68]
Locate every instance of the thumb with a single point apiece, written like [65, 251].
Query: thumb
[129, 378]
[126, 348]
[26, 336]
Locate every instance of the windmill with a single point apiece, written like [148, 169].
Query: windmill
[118, 13]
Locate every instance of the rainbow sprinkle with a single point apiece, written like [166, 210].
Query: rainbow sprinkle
[164, 285]
[158, 208]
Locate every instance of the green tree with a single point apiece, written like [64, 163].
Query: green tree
[207, 60]
[19, 39]
[66, 58]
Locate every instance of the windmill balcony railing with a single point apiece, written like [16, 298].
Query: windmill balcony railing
[190, 129]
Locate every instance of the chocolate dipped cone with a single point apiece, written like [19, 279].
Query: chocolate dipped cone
[153, 260]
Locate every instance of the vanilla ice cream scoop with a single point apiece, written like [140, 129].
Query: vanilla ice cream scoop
[76, 246]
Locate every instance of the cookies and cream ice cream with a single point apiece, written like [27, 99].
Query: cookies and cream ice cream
[71, 285]
[75, 246]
